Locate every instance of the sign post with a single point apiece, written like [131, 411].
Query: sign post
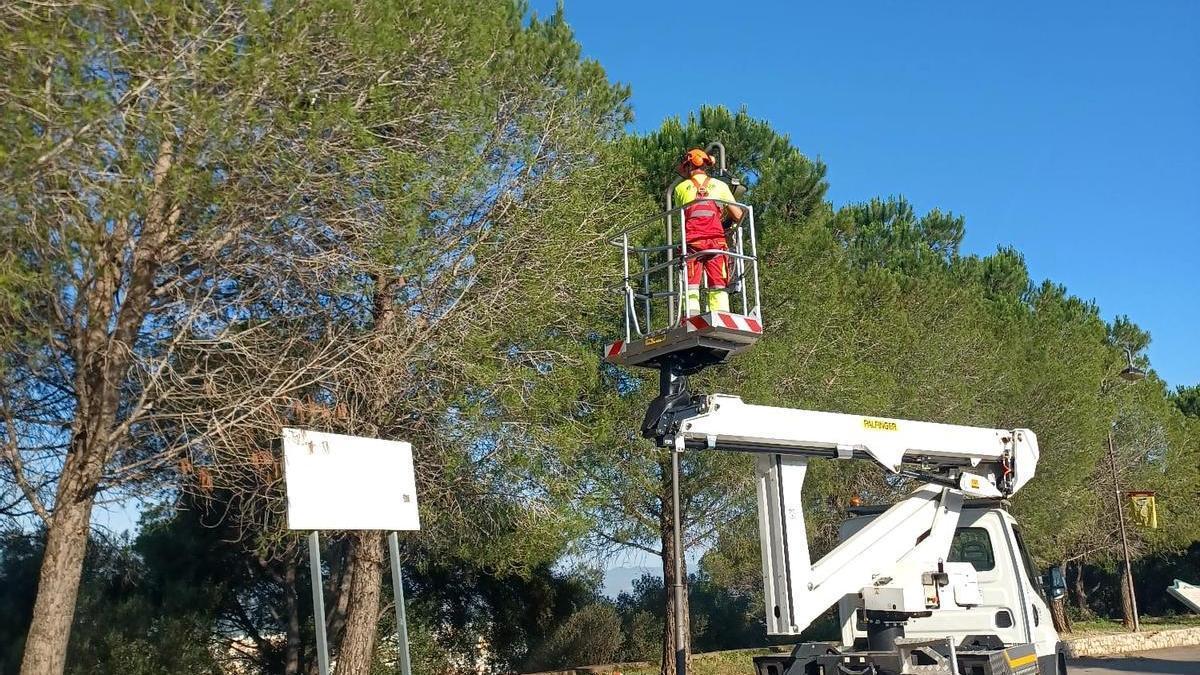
[337, 482]
[314, 568]
[398, 595]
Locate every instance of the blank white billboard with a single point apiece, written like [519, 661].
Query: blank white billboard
[1186, 593]
[337, 482]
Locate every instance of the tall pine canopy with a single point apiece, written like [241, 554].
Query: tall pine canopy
[392, 219]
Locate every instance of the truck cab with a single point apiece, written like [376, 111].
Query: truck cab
[1014, 606]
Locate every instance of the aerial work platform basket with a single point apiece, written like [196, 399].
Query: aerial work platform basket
[661, 330]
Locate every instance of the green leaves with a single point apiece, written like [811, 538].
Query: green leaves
[784, 186]
[1187, 399]
[888, 233]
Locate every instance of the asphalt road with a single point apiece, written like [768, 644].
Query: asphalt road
[1178, 661]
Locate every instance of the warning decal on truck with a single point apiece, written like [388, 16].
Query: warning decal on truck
[1021, 660]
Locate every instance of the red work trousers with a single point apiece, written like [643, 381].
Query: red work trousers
[715, 266]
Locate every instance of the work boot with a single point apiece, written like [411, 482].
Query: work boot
[693, 300]
[718, 300]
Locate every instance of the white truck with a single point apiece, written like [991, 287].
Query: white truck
[938, 583]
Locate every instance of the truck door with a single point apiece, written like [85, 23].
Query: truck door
[1041, 626]
[982, 541]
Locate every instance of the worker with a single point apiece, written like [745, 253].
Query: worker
[704, 223]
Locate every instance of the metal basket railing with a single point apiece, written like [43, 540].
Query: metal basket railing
[655, 257]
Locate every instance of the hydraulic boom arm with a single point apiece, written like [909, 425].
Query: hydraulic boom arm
[980, 462]
[896, 567]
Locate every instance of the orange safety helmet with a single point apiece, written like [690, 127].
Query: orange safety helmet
[694, 159]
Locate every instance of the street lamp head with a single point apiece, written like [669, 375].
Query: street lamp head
[1131, 373]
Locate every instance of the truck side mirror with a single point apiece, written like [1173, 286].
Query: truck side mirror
[1054, 582]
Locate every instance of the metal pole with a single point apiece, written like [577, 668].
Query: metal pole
[666, 382]
[668, 199]
[741, 269]
[680, 648]
[314, 567]
[648, 290]
[953, 655]
[1112, 462]
[398, 595]
[720, 146]
[628, 300]
[683, 274]
[754, 253]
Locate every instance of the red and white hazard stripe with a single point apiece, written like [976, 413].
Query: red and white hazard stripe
[723, 320]
[614, 349]
[701, 322]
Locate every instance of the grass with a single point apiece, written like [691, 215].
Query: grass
[1100, 626]
[735, 662]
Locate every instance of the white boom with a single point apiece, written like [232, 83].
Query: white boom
[895, 566]
[980, 462]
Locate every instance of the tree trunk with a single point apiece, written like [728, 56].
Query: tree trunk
[357, 648]
[1058, 609]
[1126, 603]
[341, 571]
[667, 532]
[101, 346]
[1079, 590]
[62, 563]
[361, 584]
[292, 664]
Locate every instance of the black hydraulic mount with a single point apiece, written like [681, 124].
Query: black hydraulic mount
[674, 402]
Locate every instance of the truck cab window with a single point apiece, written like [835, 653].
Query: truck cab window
[973, 545]
[1030, 568]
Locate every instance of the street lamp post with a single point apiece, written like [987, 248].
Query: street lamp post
[1130, 373]
[1128, 576]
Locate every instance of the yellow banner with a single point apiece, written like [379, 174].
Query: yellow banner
[1144, 509]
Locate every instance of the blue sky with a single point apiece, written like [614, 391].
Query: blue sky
[1070, 130]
